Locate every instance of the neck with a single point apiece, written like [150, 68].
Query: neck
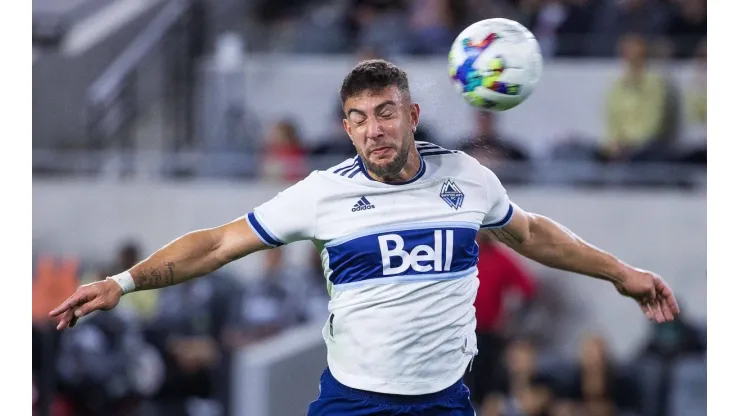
[411, 168]
[635, 71]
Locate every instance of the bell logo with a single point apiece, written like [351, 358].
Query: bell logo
[422, 258]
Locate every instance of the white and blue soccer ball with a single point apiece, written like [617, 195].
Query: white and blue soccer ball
[495, 64]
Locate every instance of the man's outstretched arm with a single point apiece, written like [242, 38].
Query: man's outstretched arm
[551, 244]
[192, 255]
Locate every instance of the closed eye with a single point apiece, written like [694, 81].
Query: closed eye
[358, 120]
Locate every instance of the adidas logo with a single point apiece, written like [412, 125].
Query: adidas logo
[362, 205]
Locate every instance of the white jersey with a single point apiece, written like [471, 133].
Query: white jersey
[400, 260]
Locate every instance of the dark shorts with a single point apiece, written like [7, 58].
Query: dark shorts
[336, 399]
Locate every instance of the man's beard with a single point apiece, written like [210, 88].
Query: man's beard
[391, 170]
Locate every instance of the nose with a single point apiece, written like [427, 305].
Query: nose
[374, 128]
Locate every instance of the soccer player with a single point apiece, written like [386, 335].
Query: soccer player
[396, 228]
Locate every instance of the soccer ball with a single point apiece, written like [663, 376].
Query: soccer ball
[495, 64]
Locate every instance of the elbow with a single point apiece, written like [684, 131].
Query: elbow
[221, 255]
[226, 246]
[529, 233]
[537, 238]
[215, 248]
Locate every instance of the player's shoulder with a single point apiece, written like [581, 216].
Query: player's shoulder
[309, 186]
[434, 152]
[347, 169]
[446, 160]
[432, 149]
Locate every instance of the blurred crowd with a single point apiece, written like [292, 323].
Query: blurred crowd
[650, 115]
[530, 382]
[649, 118]
[565, 28]
[161, 352]
[169, 352]
[643, 110]
[518, 372]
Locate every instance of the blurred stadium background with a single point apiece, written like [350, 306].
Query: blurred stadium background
[155, 117]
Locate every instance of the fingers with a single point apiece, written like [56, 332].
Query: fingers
[87, 308]
[78, 298]
[653, 305]
[658, 311]
[666, 309]
[672, 304]
[70, 317]
[65, 306]
[66, 319]
[666, 293]
[76, 306]
[648, 310]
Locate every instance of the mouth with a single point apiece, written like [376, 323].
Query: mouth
[380, 151]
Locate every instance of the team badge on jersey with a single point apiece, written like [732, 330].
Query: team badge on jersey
[452, 194]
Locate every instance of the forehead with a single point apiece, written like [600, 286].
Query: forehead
[368, 99]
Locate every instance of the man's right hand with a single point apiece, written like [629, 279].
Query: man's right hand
[102, 295]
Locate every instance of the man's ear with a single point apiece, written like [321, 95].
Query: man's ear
[415, 112]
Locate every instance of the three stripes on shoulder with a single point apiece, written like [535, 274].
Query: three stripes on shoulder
[431, 149]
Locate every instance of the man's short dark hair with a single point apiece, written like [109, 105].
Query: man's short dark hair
[373, 75]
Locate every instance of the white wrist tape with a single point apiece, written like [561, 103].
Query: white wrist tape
[125, 280]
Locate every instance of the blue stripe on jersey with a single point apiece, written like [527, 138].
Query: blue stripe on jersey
[505, 221]
[354, 172]
[262, 232]
[427, 146]
[408, 255]
[436, 152]
[349, 168]
[346, 168]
